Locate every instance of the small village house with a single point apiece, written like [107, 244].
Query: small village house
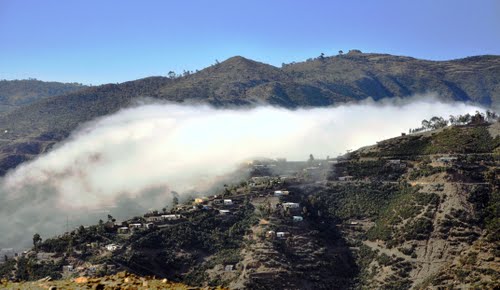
[154, 218]
[123, 230]
[270, 234]
[297, 218]
[135, 226]
[171, 217]
[112, 247]
[200, 200]
[280, 192]
[291, 205]
[224, 212]
[346, 178]
[282, 235]
[228, 202]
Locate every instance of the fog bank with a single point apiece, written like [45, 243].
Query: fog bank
[130, 161]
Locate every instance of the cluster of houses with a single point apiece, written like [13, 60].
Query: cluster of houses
[279, 235]
[88, 269]
[152, 221]
[264, 181]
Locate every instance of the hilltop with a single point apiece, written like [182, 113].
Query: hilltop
[416, 211]
[322, 81]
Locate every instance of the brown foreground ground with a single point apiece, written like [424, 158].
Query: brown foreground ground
[121, 280]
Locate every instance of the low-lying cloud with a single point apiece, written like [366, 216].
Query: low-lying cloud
[130, 161]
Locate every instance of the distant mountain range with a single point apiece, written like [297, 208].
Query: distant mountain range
[238, 81]
[17, 93]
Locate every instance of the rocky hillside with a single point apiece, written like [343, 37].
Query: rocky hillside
[17, 93]
[417, 211]
[322, 81]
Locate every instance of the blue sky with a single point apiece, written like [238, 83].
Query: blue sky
[97, 41]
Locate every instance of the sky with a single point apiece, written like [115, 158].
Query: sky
[96, 42]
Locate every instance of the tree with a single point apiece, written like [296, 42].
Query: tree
[311, 157]
[171, 74]
[464, 119]
[478, 118]
[175, 201]
[341, 52]
[437, 122]
[36, 241]
[453, 120]
[491, 116]
[426, 124]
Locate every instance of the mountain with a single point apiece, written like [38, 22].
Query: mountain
[418, 211]
[238, 81]
[17, 93]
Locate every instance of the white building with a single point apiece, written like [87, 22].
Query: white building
[297, 218]
[112, 247]
[282, 235]
[224, 212]
[155, 218]
[291, 205]
[228, 202]
[171, 217]
[280, 192]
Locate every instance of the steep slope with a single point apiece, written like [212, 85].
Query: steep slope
[17, 93]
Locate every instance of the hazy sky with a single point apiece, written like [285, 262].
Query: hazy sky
[96, 41]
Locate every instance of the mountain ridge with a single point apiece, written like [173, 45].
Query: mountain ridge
[17, 93]
[238, 81]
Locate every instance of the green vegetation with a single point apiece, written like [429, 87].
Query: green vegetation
[7, 268]
[17, 93]
[424, 171]
[378, 170]
[31, 269]
[342, 202]
[469, 139]
[407, 205]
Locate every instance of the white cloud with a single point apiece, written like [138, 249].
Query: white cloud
[151, 149]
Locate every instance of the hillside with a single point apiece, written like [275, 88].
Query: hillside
[322, 81]
[17, 93]
[417, 211]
